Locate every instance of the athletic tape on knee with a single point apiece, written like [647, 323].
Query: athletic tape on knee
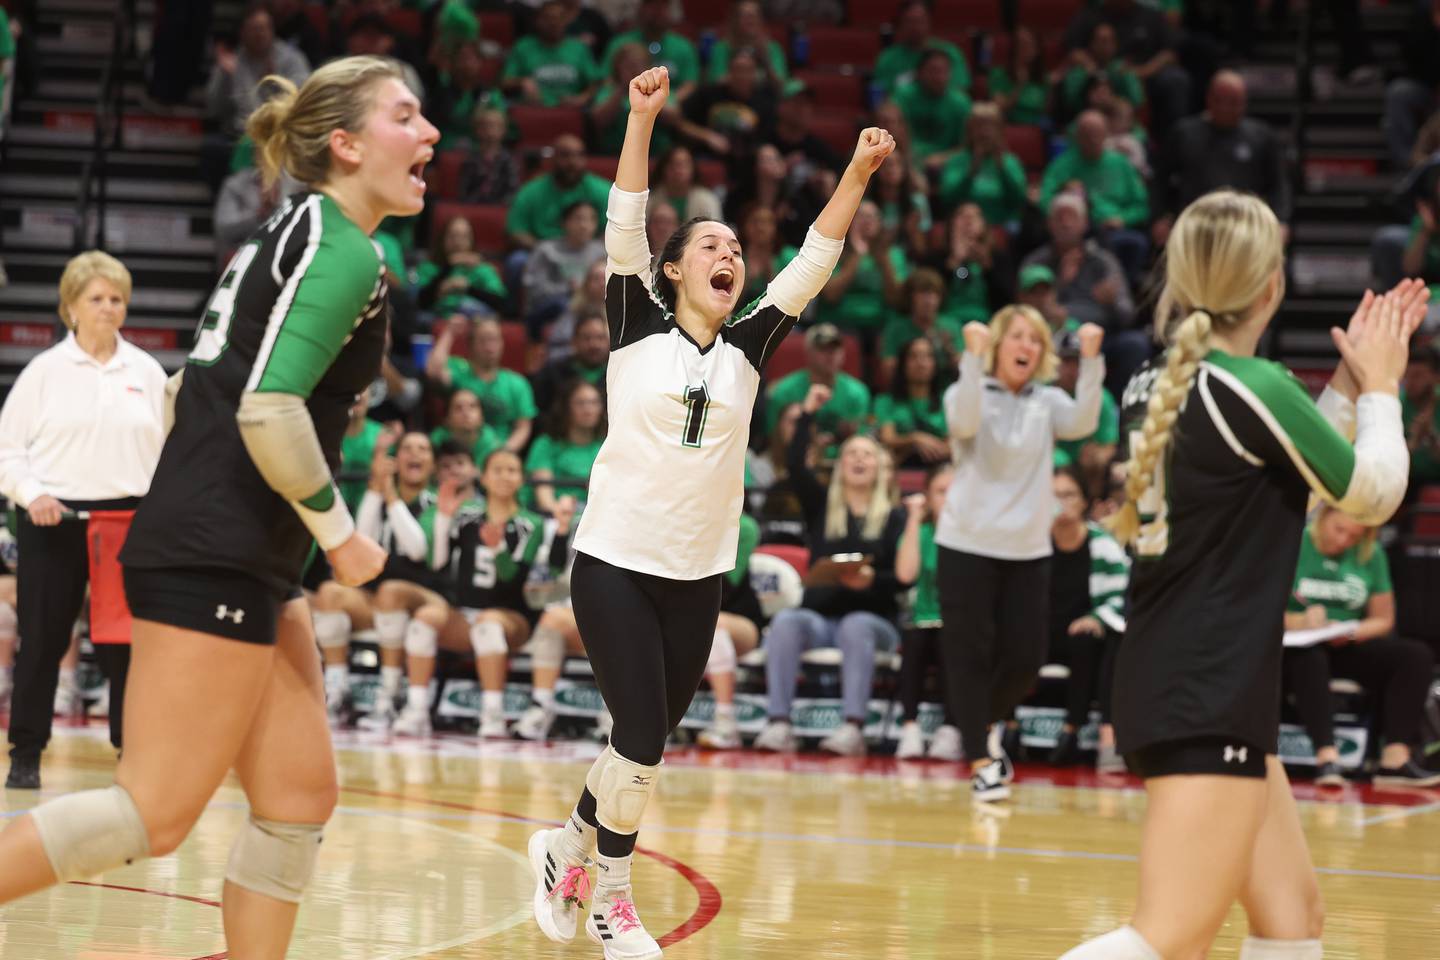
[622, 788]
[332, 629]
[274, 858]
[1254, 948]
[1123, 944]
[90, 832]
[722, 653]
[487, 639]
[8, 620]
[421, 639]
[547, 648]
[390, 628]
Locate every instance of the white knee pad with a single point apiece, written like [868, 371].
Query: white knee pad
[91, 832]
[1255, 948]
[722, 653]
[1123, 944]
[487, 639]
[390, 628]
[8, 622]
[273, 858]
[332, 629]
[547, 648]
[421, 639]
[621, 788]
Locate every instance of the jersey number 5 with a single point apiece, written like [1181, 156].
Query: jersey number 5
[214, 334]
[697, 407]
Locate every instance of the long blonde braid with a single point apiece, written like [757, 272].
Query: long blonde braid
[1222, 253]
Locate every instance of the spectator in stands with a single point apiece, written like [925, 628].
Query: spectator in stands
[1102, 52]
[976, 269]
[909, 418]
[985, 172]
[1342, 582]
[1089, 572]
[1410, 98]
[903, 195]
[737, 632]
[588, 25]
[1422, 252]
[759, 237]
[762, 183]
[293, 26]
[233, 91]
[557, 267]
[357, 450]
[770, 495]
[746, 30]
[1118, 200]
[889, 116]
[562, 457]
[369, 35]
[1089, 456]
[488, 173]
[847, 404]
[456, 278]
[899, 63]
[589, 355]
[924, 293]
[610, 109]
[661, 47]
[857, 514]
[867, 281]
[660, 223]
[1021, 86]
[1124, 134]
[794, 133]
[588, 300]
[676, 184]
[994, 533]
[547, 67]
[934, 109]
[1037, 290]
[1090, 282]
[1148, 44]
[81, 429]
[731, 116]
[535, 214]
[1220, 148]
[244, 203]
[1420, 406]
[465, 425]
[505, 396]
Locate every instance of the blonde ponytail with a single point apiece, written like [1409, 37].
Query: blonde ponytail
[266, 127]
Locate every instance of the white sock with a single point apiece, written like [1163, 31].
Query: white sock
[492, 702]
[417, 698]
[543, 697]
[337, 676]
[390, 681]
[725, 713]
[578, 839]
[67, 678]
[613, 871]
[1123, 944]
[1255, 948]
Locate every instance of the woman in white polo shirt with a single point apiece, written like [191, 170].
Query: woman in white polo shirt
[81, 430]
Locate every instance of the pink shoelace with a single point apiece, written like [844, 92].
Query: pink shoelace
[622, 916]
[574, 887]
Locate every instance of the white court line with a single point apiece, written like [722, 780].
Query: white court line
[1401, 814]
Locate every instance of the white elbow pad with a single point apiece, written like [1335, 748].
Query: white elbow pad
[1382, 461]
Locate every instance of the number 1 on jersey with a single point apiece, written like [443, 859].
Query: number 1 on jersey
[697, 406]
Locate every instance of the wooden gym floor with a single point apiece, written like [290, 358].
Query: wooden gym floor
[743, 857]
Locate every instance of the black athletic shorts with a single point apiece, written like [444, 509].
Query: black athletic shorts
[1201, 755]
[225, 603]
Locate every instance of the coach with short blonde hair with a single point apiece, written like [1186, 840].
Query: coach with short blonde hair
[81, 430]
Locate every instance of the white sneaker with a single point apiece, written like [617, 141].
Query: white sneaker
[845, 741]
[777, 737]
[101, 706]
[996, 751]
[987, 785]
[381, 716]
[561, 887]
[493, 727]
[720, 735]
[1107, 760]
[67, 700]
[413, 721]
[613, 923]
[535, 723]
[945, 745]
[912, 742]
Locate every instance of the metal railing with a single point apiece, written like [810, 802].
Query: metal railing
[109, 123]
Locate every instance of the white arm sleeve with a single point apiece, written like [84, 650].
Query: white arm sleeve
[627, 249]
[1076, 419]
[406, 532]
[280, 437]
[1382, 461]
[962, 399]
[368, 514]
[804, 277]
[18, 419]
[440, 549]
[1339, 410]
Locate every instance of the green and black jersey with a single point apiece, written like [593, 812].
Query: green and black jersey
[1215, 559]
[299, 310]
[488, 578]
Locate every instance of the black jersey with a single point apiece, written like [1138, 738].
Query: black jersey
[493, 578]
[299, 310]
[1216, 554]
[400, 566]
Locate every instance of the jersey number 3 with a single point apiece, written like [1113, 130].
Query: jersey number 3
[214, 333]
[697, 406]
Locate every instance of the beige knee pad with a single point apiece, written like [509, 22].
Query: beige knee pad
[1123, 944]
[621, 788]
[90, 832]
[1255, 948]
[273, 858]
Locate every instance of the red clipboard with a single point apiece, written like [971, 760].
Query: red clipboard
[109, 613]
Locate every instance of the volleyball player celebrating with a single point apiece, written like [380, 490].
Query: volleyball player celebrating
[1218, 481]
[682, 382]
[225, 672]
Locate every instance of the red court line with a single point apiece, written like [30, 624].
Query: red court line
[158, 893]
[705, 911]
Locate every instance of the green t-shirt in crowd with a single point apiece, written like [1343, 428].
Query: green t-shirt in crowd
[1030, 103]
[485, 444]
[1112, 185]
[1107, 432]
[1122, 79]
[1343, 585]
[749, 540]
[356, 452]
[538, 204]
[925, 603]
[910, 415]
[480, 276]
[849, 401]
[774, 66]
[504, 399]
[561, 71]
[672, 50]
[566, 461]
[457, 125]
[938, 123]
[945, 335]
[863, 306]
[897, 64]
[967, 295]
[997, 185]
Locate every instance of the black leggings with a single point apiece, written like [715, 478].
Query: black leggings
[919, 649]
[997, 621]
[1397, 671]
[1086, 656]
